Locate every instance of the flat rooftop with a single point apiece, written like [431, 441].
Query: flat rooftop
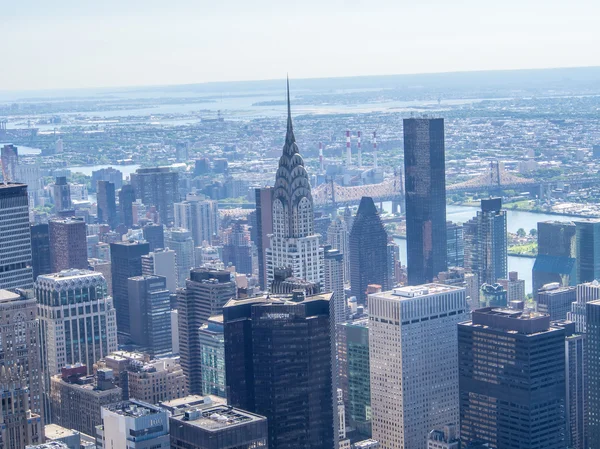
[134, 409]
[417, 291]
[180, 405]
[54, 432]
[8, 296]
[217, 418]
[71, 273]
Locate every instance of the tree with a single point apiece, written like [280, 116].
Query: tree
[521, 232]
[533, 232]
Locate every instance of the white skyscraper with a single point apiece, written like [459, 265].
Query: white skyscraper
[294, 244]
[338, 236]
[200, 216]
[162, 262]
[180, 240]
[413, 347]
[334, 282]
[77, 317]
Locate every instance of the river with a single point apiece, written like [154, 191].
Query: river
[514, 219]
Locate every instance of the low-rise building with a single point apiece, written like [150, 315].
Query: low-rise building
[156, 381]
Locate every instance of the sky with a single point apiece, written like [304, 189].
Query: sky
[51, 44]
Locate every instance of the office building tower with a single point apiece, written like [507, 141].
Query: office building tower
[157, 187]
[554, 300]
[161, 262]
[109, 174]
[557, 250]
[103, 267]
[338, 236]
[343, 442]
[19, 426]
[425, 190]
[156, 381]
[200, 216]
[68, 244]
[61, 192]
[218, 427]
[444, 438]
[77, 317]
[15, 237]
[20, 343]
[205, 293]
[354, 373]
[76, 398]
[368, 251]
[278, 350]
[40, 250]
[180, 240]
[126, 200]
[154, 234]
[133, 425]
[237, 248]
[520, 400]
[9, 156]
[150, 314]
[412, 335]
[486, 242]
[126, 262]
[107, 205]
[393, 264]
[592, 352]
[264, 224]
[456, 245]
[294, 243]
[29, 173]
[514, 287]
[212, 357]
[588, 250]
[334, 282]
[585, 293]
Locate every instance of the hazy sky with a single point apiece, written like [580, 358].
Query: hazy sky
[91, 43]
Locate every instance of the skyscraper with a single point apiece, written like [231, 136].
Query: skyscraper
[264, 223]
[512, 394]
[154, 234]
[413, 348]
[278, 364]
[588, 250]
[294, 244]
[126, 262]
[592, 344]
[157, 187]
[515, 287]
[212, 358]
[68, 244]
[40, 249]
[205, 294]
[78, 320]
[150, 312]
[368, 251]
[334, 282]
[9, 154]
[456, 245]
[198, 215]
[486, 242]
[107, 206]
[338, 236]
[180, 240]
[15, 237]
[425, 190]
[237, 248]
[62, 195]
[126, 200]
[587, 292]
[161, 262]
[556, 301]
[109, 174]
[557, 250]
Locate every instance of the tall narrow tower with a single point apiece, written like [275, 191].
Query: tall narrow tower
[374, 149]
[359, 150]
[348, 149]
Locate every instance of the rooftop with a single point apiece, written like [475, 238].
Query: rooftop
[8, 296]
[134, 408]
[219, 417]
[180, 405]
[54, 432]
[417, 291]
[71, 273]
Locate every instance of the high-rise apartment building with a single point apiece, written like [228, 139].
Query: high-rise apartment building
[512, 380]
[109, 174]
[15, 237]
[133, 425]
[592, 353]
[587, 292]
[205, 294]
[425, 190]
[456, 245]
[9, 155]
[126, 262]
[20, 343]
[150, 314]
[180, 240]
[126, 200]
[334, 282]
[413, 335]
[212, 359]
[294, 243]
[264, 224]
[486, 242]
[514, 287]
[161, 262]
[338, 236]
[237, 248]
[107, 204]
[588, 250]
[61, 192]
[157, 187]
[40, 250]
[77, 317]
[368, 251]
[68, 244]
[278, 364]
[154, 234]
[557, 250]
[198, 215]
[556, 301]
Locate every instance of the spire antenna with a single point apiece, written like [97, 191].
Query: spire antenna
[289, 137]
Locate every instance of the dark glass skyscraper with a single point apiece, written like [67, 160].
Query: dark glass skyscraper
[126, 262]
[425, 190]
[592, 347]
[368, 251]
[588, 250]
[68, 244]
[157, 187]
[126, 200]
[512, 380]
[40, 250]
[107, 206]
[154, 234]
[278, 364]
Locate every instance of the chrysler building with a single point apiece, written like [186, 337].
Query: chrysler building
[294, 243]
